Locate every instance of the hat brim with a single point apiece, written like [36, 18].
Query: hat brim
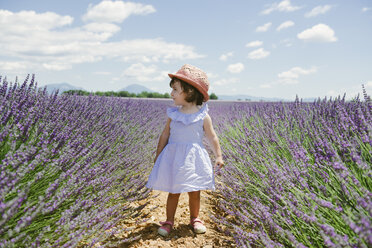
[187, 80]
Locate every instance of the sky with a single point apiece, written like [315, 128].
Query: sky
[318, 48]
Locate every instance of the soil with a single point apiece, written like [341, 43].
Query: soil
[182, 234]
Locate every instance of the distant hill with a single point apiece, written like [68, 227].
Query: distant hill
[61, 86]
[309, 99]
[258, 99]
[136, 88]
[249, 98]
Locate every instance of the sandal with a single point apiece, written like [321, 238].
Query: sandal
[198, 225]
[165, 230]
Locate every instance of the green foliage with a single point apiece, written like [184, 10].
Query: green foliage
[213, 96]
[143, 94]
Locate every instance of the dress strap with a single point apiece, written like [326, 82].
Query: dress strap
[175, 114]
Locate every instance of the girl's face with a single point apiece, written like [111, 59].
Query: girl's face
[177, 94]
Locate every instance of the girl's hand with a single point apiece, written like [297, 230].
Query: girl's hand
[219, 163]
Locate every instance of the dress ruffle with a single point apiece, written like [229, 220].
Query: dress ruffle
[176, 115]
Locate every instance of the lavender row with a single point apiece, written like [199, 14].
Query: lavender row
[71, 165]
[297, 174]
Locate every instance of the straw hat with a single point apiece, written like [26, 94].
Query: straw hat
[194, 76]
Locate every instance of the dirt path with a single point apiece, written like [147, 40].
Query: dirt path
[181, 235]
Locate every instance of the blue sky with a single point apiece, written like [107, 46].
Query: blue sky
[260, 48]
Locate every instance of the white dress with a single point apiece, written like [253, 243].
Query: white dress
[184, 164]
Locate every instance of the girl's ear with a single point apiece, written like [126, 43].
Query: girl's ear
[190, 90]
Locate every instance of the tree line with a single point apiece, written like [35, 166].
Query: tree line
[143, 94]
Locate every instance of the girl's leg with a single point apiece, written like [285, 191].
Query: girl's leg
[172, 203]
[194, 204]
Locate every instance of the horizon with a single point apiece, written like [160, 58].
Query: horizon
[255, 98]
[269, 49]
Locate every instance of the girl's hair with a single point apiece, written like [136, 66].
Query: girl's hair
[192, 94]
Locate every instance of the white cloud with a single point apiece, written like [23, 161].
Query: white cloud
[13, 65]
[284, 25]
[333, 93]
[44, 41]
[144, 73]
[365, 9]
[235, 68]
[211, 75]
[225, 81]
[102, 27]
[318, 33]
[255, 43]
[286, 42]
[118, 11]
[56, 66]
[225, 56]
[351, 92]
[291, 76]
[368, 85]
[20, 22]
[102, 73]
[318, 10]
[264, 27]
[258, 54]
[283, 6]
[151, 50]
[265, 86]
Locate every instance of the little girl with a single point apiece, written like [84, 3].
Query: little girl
[182, 163]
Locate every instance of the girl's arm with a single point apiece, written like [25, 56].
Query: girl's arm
[163, 140]
[213, 140]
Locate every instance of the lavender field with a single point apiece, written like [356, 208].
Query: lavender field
[297, 174]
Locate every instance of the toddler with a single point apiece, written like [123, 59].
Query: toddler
[182, 163]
